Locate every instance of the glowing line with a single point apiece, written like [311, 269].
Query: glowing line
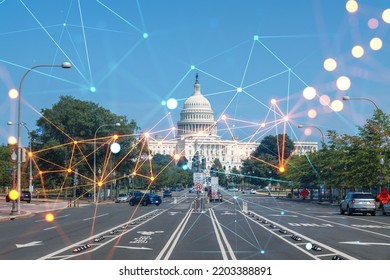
[247, 63]
[85, 42]
[116, 14]
[58, 46]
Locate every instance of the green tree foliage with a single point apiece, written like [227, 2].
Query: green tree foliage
[272, 152]
[66, 139]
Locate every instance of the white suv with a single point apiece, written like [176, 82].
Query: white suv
[360, 202]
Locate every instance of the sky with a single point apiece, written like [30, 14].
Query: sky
[261, 64]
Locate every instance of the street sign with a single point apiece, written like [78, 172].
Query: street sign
[383, 196]
[304, 193]
[198, 186]
[198, 177]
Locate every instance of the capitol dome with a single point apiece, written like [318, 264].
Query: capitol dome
[197, 116]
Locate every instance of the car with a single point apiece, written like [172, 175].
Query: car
[167, 193]
[358, 202]
[218, 197]
[122, 197]
[386, 208]
[25, 196]
[145, 199]
[232, 189]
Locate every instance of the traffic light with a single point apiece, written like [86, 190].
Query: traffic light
[195, 162]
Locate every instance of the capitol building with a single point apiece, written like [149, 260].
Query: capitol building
[197, 135]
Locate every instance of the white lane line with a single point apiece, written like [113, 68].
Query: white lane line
[214, 218]
[221, 247]
[49, 228]
[174, 237]
[134, 248]
[91, 218]
[56, 218]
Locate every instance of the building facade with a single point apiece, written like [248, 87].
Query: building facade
[197, 135]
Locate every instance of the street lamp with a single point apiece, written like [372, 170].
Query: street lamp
[94, 157]
[30, 155]
[381, 162]
[346, 98]
[19, 162]
[13, 157]
[322, 134]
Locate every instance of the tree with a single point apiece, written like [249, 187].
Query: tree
[65, 140]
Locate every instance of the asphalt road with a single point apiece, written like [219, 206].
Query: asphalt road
[242, 227]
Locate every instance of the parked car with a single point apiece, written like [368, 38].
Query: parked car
[358, 202]
[218, 197]
[177, 189]
[167, 193]
[145, 199]
[25, 196]
[386, 208]
[232, 189]
[123, 197]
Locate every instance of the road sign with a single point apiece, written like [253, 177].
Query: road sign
[383, 196]
[198, 177]
[198, 186]
[304, 193]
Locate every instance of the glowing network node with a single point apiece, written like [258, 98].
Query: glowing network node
[330, 64]
[262, 252]
[337, 105]
[386, 15]
[92, 89]
[12, 140]
[172, 103]
[69, 170]
[146, 134]
[145, 35]
[115, 137]
[193, 67]
[373, 23]
[282, 213]
[176, 156]
[100, 183]
[223, 117]
[13, 93]
[49, 217]
[285, 118]
[309, 246]
[262, 124]
[376, 44]
[256, 37]
[163, 103]
[357, 51]
[324, 100]
[282, 169]
[239, 89]
[312, 113]
[273, 101]
[352, 6]
[343, 83]
[115, 148]
[13, 194]
[152, 178]
[309, 93]
[185, 167]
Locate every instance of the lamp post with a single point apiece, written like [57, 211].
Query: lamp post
[381, 162]
[346, 98]
[94, 157]
[13, 157]
[322, 134]
[30, 156]
[19, 162]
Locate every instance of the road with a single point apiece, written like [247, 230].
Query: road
[242, 227]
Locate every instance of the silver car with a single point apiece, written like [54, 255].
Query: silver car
[386, 208]
[123, 197]
[358, 202]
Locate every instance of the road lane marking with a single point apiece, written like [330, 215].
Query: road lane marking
[134, 248]
[91, 218]
[29, 244]
[49, 228]
[218, 231]
[365, 243]
[174, 237]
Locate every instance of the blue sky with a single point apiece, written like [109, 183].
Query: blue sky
[131, 56]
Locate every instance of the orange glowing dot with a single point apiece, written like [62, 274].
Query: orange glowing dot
[282, 169]
[40, 172]
[100, 183]
[285, 118]
[337, 105]
[13, 195]
[69, 170]
[176, 156]
[134, 173]
[273, 101]
[325, 100]
[115, 136]
[30, 154]
[152, 178]
[312, 113]
[146, 134]
[224, 117]
[75, 142]
[357, 51]
[49, 217]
